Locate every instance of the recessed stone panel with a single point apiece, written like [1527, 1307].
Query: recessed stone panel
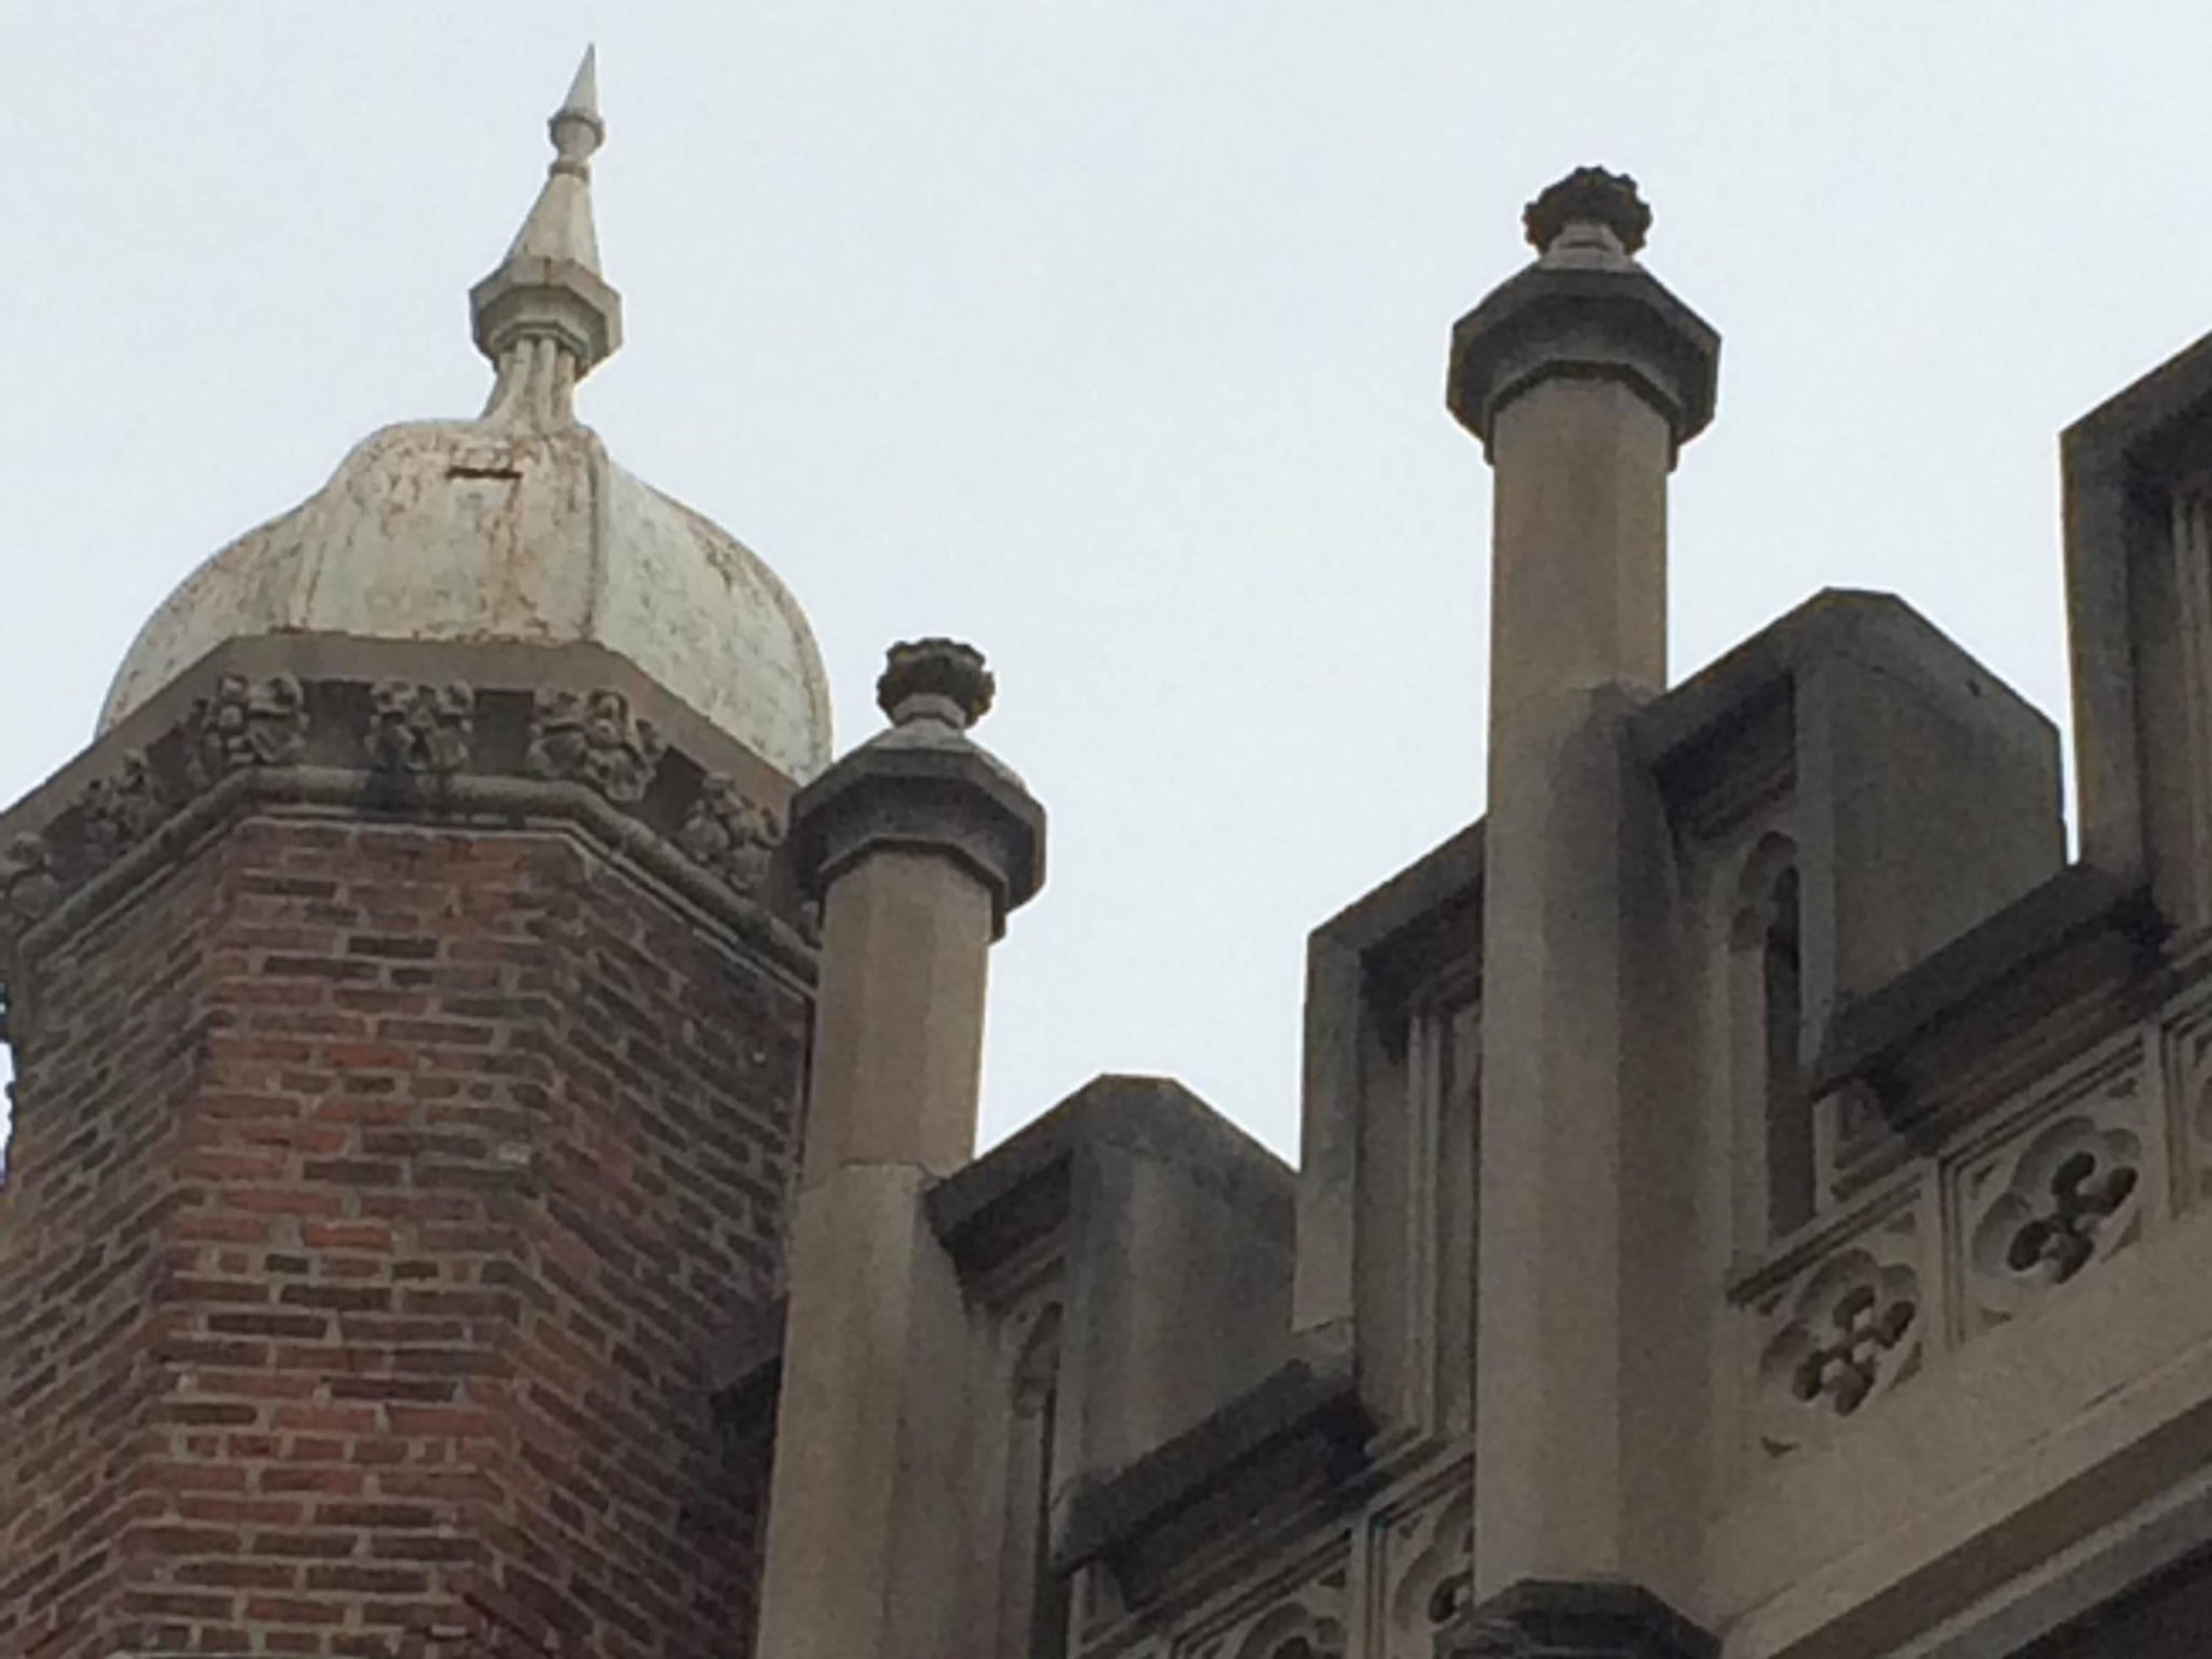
[1843, 1322]
[2063, 1183]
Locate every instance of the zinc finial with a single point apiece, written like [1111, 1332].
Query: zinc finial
[546, 317]
[576, 128]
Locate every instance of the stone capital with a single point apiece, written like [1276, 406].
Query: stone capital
[1613, 321]
[922, 788]
[1577, 1618]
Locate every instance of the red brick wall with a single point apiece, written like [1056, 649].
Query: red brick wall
[92, 1204]
[456, 1151]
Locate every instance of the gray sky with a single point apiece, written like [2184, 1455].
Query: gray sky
[1110, 336]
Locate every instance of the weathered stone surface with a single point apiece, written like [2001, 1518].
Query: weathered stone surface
[919, 843]
[1580, 1059]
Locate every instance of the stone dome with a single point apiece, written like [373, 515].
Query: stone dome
[517, 526]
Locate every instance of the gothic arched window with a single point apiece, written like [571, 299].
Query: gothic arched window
[1774, 1116]
[1033, 1602]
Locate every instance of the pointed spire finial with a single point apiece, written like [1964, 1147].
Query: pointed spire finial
[546, 317]
[576, 128]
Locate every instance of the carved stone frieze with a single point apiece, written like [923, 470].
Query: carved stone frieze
[122, 811]
[2064, 1188]
[733, 836]
[420, 730]
[593, 739]
[262, 722]
[1843, 1330]
[30, 886]
[490, 752]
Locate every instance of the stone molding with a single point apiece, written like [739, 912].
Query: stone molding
[924, 785]
[944, 796]
[1547, 324]
[401, 749]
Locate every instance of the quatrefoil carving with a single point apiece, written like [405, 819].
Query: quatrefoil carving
[1865, 1326]
[1843, 1334]
[2044, 1212]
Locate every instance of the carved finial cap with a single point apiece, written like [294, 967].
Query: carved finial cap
[935, 679]
[924, 785]
[1584, 308]
[1588, 196]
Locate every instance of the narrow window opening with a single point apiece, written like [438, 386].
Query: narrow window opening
[1789, 1116]
[1772, 1168]
[1034, 1607]
[1049, 1616]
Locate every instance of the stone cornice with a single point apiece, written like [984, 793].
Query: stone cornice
[360, 730]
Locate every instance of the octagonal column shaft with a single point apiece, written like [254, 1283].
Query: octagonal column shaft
[1578, 554]
[1582, 375]
[919, 843]
[898, 1044]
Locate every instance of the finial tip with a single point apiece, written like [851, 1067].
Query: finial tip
[576, 128]
[1588, 196]
[583, 97]
[935, 679]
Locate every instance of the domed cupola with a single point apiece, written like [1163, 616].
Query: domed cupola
[516, 526]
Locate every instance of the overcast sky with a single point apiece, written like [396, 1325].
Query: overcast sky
[1111, 337]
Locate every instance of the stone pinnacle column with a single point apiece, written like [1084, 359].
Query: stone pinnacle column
[918, 842]
[1582, 376]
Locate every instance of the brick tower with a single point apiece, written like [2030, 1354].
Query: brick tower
[410, 1001]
